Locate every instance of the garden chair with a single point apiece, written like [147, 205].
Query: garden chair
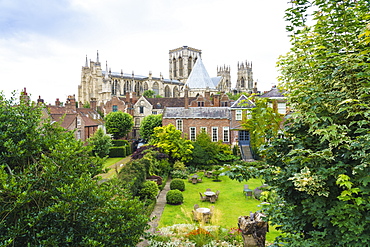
[249, 193]
[208, 189]
[195, 215]
[217, 193]
[196, 206]
[246, 188]
[199, 180]
[202, 198]
[212, 199]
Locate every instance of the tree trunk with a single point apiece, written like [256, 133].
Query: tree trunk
[253, 230]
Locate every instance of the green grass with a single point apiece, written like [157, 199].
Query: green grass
[111, 161]
[231, 204]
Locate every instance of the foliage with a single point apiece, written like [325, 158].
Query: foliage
[320, 169]
[169, 139]
[177, 184]
[149, 190]
[149, 93]
[100, 143]
[118, 124]
[179, 165]
[86, 105]
[243, 171]
[148, 124]
[133, 175]
[263, 125]
[48, 193]
[174, 197]
[153, 165]
[120, 143]
[117, 152]
[179, 174]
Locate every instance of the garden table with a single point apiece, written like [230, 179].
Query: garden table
[203, 210]
[209, 193]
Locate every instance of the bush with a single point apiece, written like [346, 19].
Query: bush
[179, 174]
[174, 197]
[149, 190]
[177, 184]
[120, 143]
[117, 152]
[133, 175]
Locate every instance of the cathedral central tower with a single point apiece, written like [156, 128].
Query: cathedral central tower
[181, 61]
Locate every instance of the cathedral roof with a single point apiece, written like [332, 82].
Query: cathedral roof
[199, 77]
[160, 103]
[197, 112]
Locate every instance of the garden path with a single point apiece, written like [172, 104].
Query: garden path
[157, 212]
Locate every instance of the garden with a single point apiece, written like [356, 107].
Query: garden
[177, 226]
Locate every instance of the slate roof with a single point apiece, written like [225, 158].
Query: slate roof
[243, 102]
[197, 112]
[274, 93]
[160, 103]
[199, 77]
[139, 77]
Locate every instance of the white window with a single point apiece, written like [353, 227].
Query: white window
[78, 121]
[154, 112]
[282, 108]
[203, 129]
[193, 132]
[238, 114]
[249, 114]
[226, 134]
[179, 124]
[214, 134]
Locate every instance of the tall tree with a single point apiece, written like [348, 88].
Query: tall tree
[119, 124]
[48, 194]
[169, 139]
[320, 169]
[148, 124]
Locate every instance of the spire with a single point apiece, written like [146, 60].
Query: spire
[86, 64]
[97, 56]
[106, 70]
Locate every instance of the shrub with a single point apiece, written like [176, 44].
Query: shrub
[179, 174]
[174, 197]
[149, 190]
[133, 175]
[177, 184]
[117, 152]
[120, 143]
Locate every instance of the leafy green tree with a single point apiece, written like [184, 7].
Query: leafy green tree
[320, 169]
[148, 124]
[263, 125]
[169, 139]
[149, 93]
[101, 143]
[119, 124]
[48, 194]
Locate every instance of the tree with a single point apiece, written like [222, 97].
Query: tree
[48, 192]
[263, 125]
[320, 169]
[101, 143]
[118, 124]
[149, 93]
[169, 139]
[148, 124]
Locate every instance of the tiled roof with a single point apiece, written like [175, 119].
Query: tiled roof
[160, 103]
[197, 112]
[274, 92]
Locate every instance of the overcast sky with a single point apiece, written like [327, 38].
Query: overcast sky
[44, 43]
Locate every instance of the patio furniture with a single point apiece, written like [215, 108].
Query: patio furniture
[199, 180]
[209, 193]
[196, 206]
[194, 180]
[249, 193]
[203, 198]
[208, 189]
[246, 188]
[217, 193]
[204, 214]
[212, 199]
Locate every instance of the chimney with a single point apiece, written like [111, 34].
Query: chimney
[127, 96]
[40, 101]
[207, 94]
[216, 100]
[57, 102]
[24, 96]
[186, 97]
[71, 102]
[93, 103]
[134, 97]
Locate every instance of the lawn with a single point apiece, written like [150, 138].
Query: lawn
[231, 203]
[111, 161]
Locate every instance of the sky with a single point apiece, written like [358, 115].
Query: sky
[44, 43]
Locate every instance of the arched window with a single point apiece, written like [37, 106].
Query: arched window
[176, 92]
[190, 65]
[145, 86]
[167, 92]
[242, 82]
[156, 88]
[174, 68]
[181, 67]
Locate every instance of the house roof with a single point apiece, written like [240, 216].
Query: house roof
[243, 102]
[199, 77]
[197, 112]
[274, 93]
[160, 103]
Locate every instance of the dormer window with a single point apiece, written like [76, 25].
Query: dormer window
[200, 103]
[223, 103]
[141, 109]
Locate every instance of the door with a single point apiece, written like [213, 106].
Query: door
[244, 138]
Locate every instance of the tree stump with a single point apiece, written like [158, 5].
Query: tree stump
[253, 229]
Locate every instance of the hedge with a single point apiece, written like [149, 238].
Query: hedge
[117, 152]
